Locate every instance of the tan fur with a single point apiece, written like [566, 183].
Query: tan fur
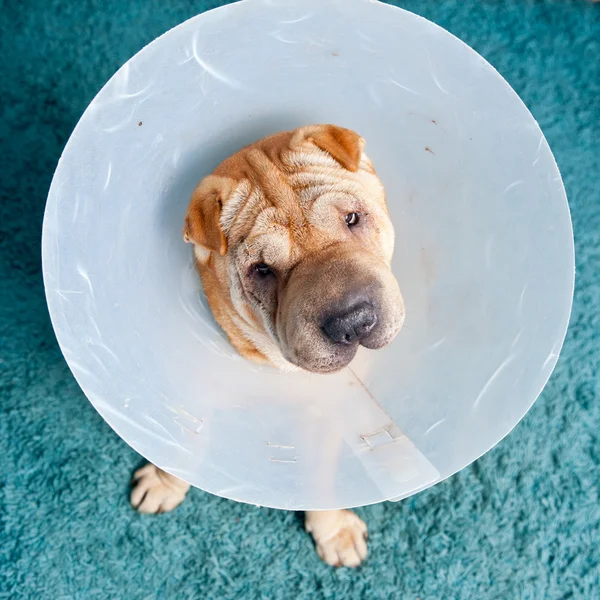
[282, 201]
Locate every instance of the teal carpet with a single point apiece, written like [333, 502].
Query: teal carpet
[521, 523]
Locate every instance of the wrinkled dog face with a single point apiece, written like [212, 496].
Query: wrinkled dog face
[295, 230]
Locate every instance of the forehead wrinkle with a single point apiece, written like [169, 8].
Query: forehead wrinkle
[294, 191]
[279, 193]
[272, 181]
[322, 177]
[241, 222]
[310, 192]
[235, 205]
[335, 198]
[274, 244]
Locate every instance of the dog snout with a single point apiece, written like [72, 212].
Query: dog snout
[351, 326]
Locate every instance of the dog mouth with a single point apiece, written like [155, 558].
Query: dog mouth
[333, 304]
[332, 344]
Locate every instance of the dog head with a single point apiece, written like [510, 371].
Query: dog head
[295, 232]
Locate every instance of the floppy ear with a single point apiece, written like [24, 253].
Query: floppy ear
[345, 145]
[202, 221]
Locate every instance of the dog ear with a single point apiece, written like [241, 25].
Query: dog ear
[344, 145]
[202, 221]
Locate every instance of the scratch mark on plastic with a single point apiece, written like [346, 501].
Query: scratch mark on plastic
[102, 346]
[76, 208]
[516, 339]
[433, 346]
[277, 35]
[120, 124]
[434, 77]
[176, 156]
[123, 96]
[552, 357]
[373, 95]
[407, 89]
[63, 293]
[104, 407]
[521, 301]
[79, 368]
[86, 278]
[230, 81]
[493, 378]
[513, 185]
[537, 152]
[108, 175]
[160, 427]
[298, 20]
[434, 426]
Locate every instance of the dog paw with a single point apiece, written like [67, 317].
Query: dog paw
[340, 537]
[155, 491]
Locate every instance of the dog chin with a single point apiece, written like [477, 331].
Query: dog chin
[326, 363]
[341, 356]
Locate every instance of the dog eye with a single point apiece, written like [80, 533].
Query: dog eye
[262, 269]
[352, 219]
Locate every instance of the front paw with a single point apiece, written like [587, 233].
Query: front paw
[155, 491]
[340, 537]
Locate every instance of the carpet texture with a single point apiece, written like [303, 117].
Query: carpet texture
[522, 522]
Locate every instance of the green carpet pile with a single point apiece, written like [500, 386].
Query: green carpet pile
[520, 523]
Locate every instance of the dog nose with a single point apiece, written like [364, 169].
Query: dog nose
[354, 325]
